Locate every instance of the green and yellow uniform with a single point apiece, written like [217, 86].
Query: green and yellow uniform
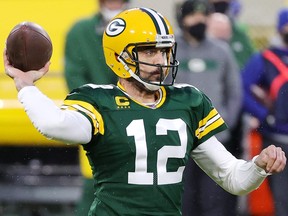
[138, 152]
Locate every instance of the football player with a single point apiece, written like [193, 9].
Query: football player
[139, 134]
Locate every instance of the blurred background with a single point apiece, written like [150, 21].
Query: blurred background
[40, 176]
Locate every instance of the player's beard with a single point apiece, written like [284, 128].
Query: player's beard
[140, 86]
[151, 77]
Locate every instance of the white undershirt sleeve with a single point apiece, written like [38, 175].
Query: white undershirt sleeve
[63, 125]
[236, 176]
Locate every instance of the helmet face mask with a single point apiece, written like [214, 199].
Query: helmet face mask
[124, 38]
[130, 57]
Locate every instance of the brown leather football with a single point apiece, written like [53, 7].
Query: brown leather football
[28, 46]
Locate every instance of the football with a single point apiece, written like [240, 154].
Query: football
[28, 46]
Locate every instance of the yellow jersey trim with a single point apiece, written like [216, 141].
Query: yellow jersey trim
[88, 109]
[162, 97]
[212, 121]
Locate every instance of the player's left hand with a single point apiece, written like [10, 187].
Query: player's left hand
[272, 159]
[21, 78]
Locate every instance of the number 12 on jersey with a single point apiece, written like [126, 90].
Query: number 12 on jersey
[141, 176]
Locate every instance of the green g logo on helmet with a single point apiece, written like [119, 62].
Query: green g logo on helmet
[115, 27]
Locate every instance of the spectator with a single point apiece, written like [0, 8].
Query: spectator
[265, 81]
[85, 63]
[240, 42]
[219, 26]
[209, 65]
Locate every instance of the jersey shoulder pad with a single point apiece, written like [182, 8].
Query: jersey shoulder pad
[188, 93]
[91, 88]
[92, 92]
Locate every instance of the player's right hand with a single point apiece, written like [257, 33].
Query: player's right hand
[23, 79]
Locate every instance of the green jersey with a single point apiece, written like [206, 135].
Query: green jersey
[138, 152]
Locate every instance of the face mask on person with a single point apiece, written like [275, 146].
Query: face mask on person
[108, 14]
[221, 7]
[197, 31]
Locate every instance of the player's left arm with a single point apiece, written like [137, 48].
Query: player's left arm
[237, 176]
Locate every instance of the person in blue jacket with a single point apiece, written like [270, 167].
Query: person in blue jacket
[265, 83]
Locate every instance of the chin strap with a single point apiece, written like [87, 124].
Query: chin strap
[149, 86]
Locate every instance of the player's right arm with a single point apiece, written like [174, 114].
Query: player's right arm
[20, 78]
[63, 125]
[54, 123]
